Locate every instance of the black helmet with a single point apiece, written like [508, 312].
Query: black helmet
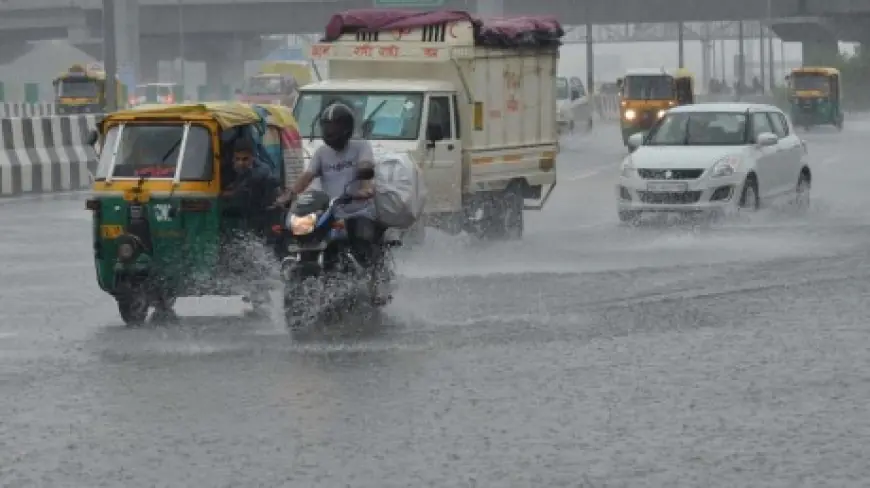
[336, 125]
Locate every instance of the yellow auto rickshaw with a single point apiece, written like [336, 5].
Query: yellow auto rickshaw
[160, 224]
[645, 95]
[815, 97]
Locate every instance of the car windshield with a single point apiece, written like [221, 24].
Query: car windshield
[802, 82]
[151, 151]
[78, 88]
[264, 85]
[652, 87]
[561, 89]
[699, 129]
[395, 116]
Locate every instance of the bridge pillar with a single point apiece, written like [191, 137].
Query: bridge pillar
[820, 52]
[224, 62]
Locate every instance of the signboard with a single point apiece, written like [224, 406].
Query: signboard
[409, 3]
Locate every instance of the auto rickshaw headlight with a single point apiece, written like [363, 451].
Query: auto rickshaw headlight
[126, 251]
[301, 225]
[630, 114]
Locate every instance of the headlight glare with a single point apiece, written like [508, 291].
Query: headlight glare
[301, 225]
[630, 114]
[726, 166]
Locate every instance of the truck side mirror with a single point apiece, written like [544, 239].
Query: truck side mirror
[434, 133]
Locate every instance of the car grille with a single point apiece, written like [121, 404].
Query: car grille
[655, 197]
[676, 174]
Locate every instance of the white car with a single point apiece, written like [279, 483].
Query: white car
[714, 158]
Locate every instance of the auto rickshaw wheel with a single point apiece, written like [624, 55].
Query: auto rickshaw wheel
[133, 308]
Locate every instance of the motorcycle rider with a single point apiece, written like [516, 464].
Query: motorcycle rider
[336, 163]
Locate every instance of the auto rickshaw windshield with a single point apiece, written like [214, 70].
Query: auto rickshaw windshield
[810, 81]
[650, 87]
[152, 151]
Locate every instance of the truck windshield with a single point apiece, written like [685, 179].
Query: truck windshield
[652, 87]
[699, 129]
[78, 88]
[151, 151]
[804, 82]
[395, 116]
[264, 85]
[561, 88]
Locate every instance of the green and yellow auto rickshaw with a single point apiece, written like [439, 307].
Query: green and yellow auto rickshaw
[159, 223]
[815, 96]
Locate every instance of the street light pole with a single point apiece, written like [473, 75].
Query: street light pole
[770, 64]
[183, 74]
[110, 55]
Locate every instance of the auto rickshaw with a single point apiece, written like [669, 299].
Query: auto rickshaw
[815, 96]
[159, 223]
[646, 94]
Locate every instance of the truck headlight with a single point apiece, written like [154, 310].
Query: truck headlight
[630, 114]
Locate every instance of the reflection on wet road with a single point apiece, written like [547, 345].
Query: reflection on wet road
[589, 354]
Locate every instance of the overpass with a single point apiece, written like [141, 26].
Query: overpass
[224, 32]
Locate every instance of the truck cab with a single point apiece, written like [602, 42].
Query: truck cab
[418, 118]
[479, 120]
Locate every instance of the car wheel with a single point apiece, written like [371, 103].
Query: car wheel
[749, 200]
[802, 193]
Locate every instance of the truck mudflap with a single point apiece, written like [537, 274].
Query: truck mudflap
[540, 206]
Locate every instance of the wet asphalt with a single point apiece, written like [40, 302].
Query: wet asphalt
[588, 355]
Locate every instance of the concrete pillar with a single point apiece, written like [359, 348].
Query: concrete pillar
[819, 53]
[149, 66]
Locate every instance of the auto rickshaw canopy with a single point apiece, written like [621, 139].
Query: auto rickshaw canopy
[227, 114]
[816, 70]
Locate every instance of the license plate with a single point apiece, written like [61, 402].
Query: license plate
[111, 231]
[667, 187]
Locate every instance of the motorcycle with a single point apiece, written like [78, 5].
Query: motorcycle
[319, 267]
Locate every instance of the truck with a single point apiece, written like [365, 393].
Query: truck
[471, 102]
[82, 90]
[277, 82]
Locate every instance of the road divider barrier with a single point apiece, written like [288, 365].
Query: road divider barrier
[46, 154]
[8, 109]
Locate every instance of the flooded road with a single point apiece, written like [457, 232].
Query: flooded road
[589, 354]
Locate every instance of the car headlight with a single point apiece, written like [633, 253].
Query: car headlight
[628, 170]
[726, 166]
[301, 225]
[630, 114]
[661, 113]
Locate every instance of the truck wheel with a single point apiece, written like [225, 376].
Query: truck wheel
[507, 220]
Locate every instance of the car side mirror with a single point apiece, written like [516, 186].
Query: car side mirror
[766, 139]
[434, 133]
[635, 141]
[365, 174]
[93, 137]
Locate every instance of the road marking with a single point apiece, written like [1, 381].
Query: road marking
[588, 174]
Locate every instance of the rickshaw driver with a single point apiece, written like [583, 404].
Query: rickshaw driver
[335, 163]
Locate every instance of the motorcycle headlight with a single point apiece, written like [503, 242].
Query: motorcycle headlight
[726, 166]
[301, 225]
[630, 114]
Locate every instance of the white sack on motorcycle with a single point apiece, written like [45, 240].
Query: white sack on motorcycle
[400, 193]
